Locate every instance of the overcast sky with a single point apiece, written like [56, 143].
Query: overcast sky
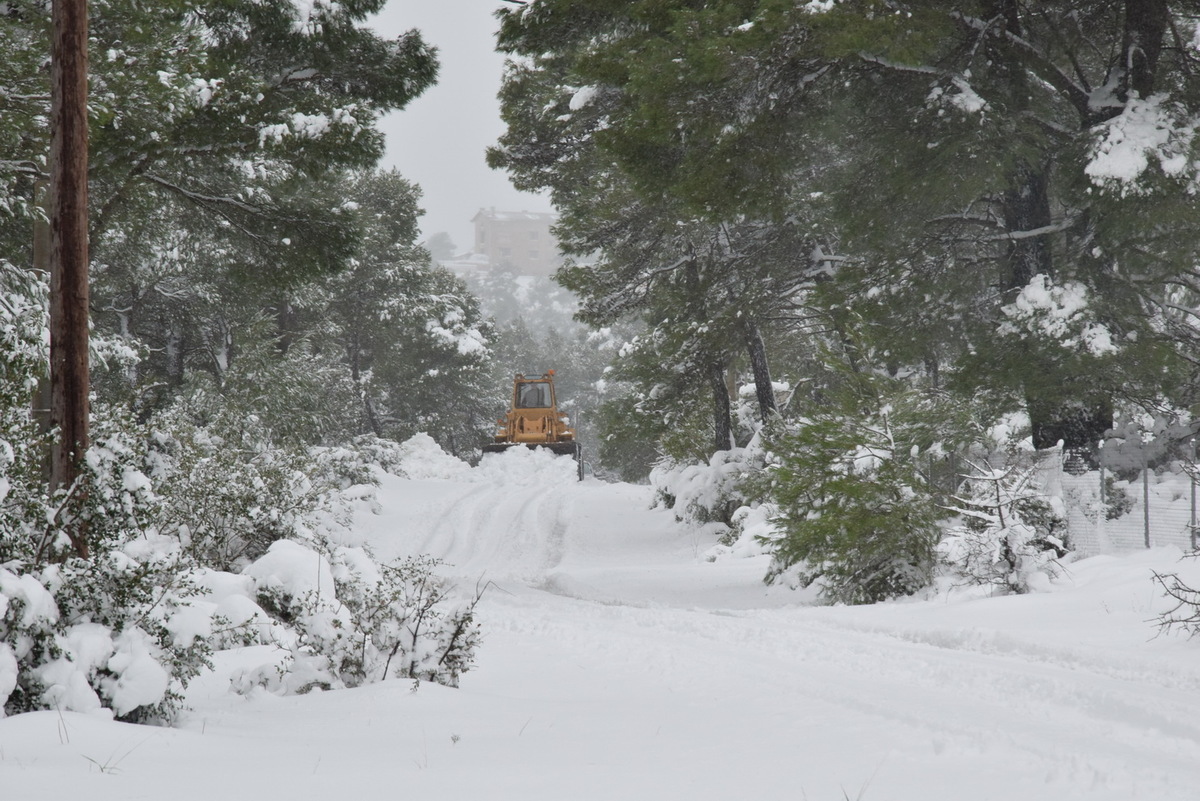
[439, 140]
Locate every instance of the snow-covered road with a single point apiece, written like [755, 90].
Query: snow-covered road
[619, 664]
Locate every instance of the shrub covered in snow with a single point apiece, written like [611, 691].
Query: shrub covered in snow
[108, 631]
[1009, 535]
[344, 620]
[701, 494]
[233, 490]
[171, 510]
[82, 633]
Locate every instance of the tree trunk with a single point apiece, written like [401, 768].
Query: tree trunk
[722, 415]
[174, 354]
[1077, 419]
[220, 347]
[69, 384]
[1026, 207]
[1146, 23]
[285, 325]
[354, 353]
[763, 388]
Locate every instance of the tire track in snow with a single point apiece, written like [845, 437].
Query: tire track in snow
[1054, 720]
[507, 531]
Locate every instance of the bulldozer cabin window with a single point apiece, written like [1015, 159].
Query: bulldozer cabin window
[533, 396]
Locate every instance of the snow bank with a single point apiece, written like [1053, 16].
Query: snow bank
[422, 458]
[526, 466]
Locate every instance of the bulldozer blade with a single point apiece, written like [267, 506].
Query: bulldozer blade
[572, 449]
[563, 448]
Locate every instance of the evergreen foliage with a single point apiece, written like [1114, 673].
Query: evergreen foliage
[856, 506]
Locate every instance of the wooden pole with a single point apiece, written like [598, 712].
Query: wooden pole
[69, 385]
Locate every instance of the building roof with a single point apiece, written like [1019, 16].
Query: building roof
[509, 216]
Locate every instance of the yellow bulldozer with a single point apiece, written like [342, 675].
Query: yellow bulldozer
[533, 420]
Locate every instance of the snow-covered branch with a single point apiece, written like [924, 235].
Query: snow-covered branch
[25, 167]
[1055, 228]
[893, 65]
[975, 219]
[206, 200]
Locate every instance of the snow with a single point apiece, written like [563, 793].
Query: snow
[467, 341]
[1057, 312]
[293, 570]
[37, 604]
[421, 458]
[140, 679]
[965, 99]
[1145, 130]
[618, 662]
[581, 97]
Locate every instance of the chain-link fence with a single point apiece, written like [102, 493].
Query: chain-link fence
[1111, 513]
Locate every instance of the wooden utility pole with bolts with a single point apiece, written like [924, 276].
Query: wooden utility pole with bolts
[69, 385]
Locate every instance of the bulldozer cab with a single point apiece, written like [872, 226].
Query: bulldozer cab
[536, 394]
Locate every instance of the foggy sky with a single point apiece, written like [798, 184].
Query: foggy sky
[439, 140]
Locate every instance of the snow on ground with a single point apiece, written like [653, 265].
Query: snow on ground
[619, 664]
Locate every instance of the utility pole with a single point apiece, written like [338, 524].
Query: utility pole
[69, 386]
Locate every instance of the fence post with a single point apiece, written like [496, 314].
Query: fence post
[1192, 476]
[1146, 494]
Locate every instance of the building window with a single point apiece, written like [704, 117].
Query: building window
[533, 234]
[533, 254]
[505, 251]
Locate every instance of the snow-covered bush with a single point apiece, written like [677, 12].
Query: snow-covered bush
[303, 397]
[1139, 438]
[166, 507]
[81, 633]
[357, 463]
[750, 527]
[1009, 535]
[107, 631]
[700, 494]
[231, 489]
[345, 620]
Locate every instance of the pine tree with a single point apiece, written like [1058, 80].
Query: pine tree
[590, 119]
